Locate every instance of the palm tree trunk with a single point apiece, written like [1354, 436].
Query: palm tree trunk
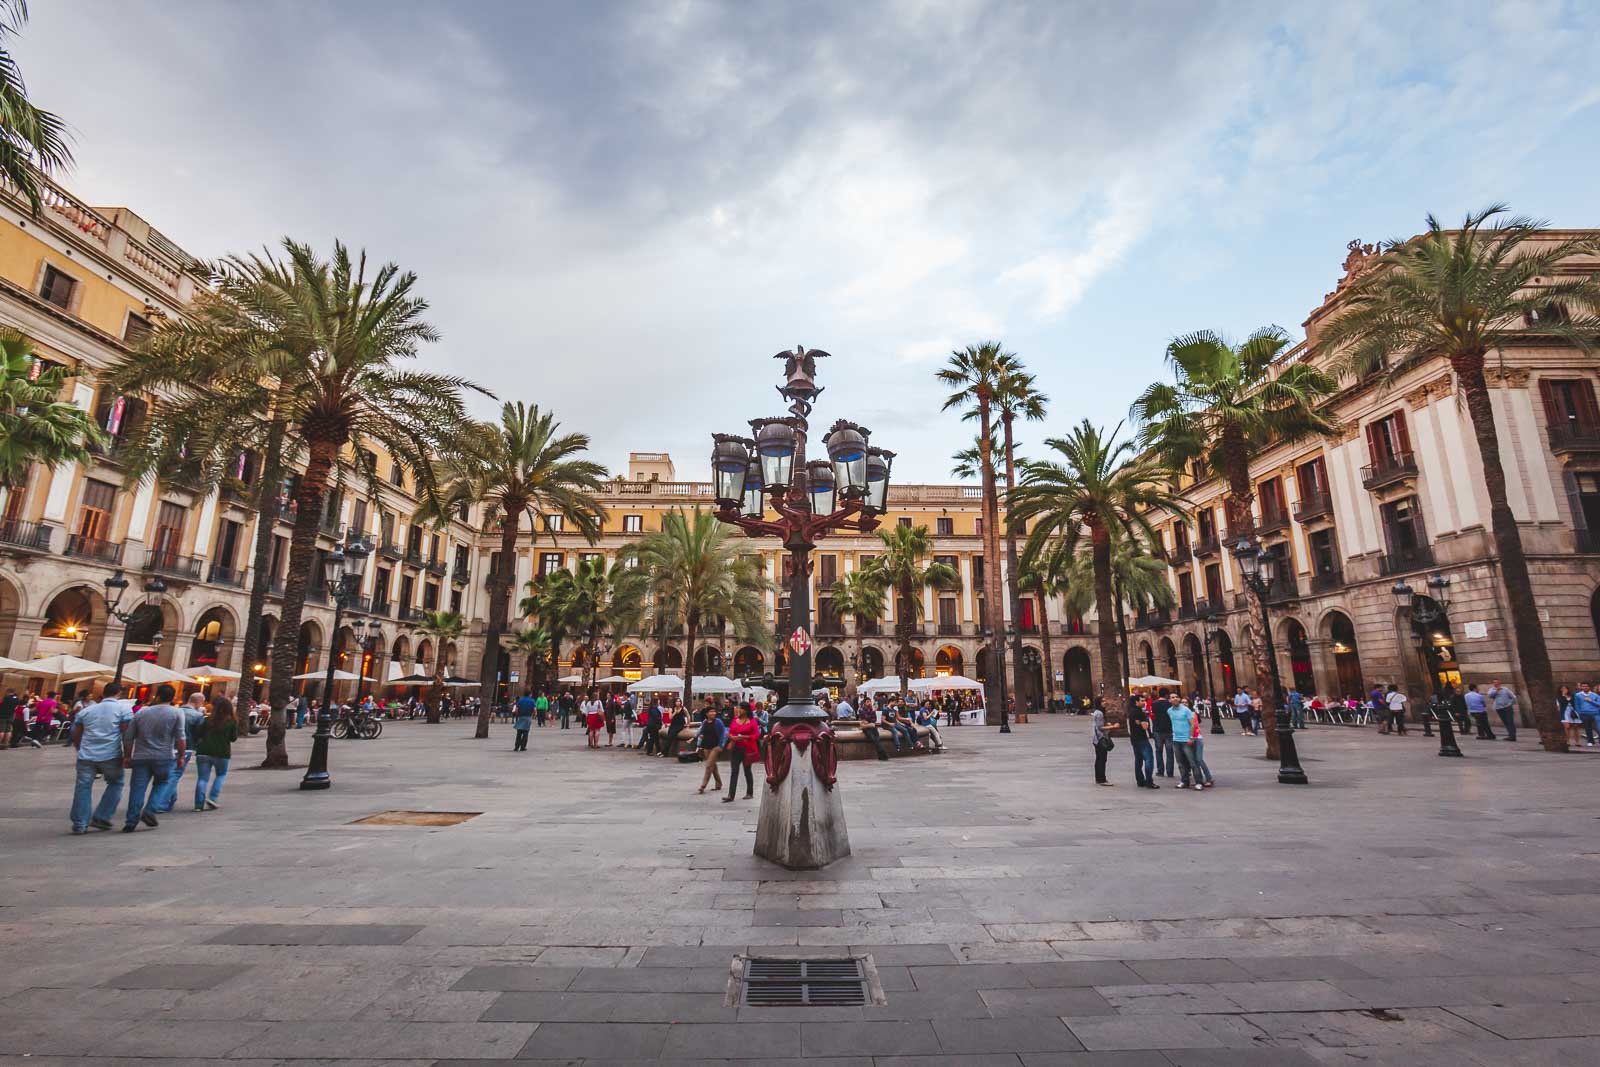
[904, 621]
[1242, 524]
[994, 615]
[500, 580]
[1532, 653]
[266, 504]
[1121, 601]
[436, 690]
[1116, 701]
[308, 499]
[1013, 592]
[692, 623]
[1044, 639]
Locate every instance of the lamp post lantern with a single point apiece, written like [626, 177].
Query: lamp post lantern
[116, 588]
[342, 568]
[801, 825]
[1426, 612]
[1259, 570]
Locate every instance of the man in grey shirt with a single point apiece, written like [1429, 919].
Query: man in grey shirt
[155, 733]
[1504, 702]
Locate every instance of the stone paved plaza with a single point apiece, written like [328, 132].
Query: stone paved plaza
[1403, 909]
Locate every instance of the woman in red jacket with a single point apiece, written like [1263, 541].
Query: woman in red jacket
[744, 735]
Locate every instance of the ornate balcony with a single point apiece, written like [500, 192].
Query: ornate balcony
[1316, 506]
[230, 576]
[172, 565]
[1272, 522]
[460, 575]
[1180, 555]
[1568, 440]
[436, 567]
[1389, 471]
[949, 629]
[1416, 559]
[1206, 545]
[390, 549]
[31, 536]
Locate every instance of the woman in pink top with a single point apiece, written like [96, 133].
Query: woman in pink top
[1202, 773]
[744, 733]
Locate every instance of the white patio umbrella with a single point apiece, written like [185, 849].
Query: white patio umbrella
[338, 676]
[879, 685]
[571, 679]
[8, 665]
[715, 685]
[1147, 680]
[612, 679]
[658, 683]
[65, 668]
[143, 672]
[951, 681]
[461, 681]
[210, 674]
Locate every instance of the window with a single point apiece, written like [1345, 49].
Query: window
[977, 526]
[1324, 553]
[549, 563]
[169, 529]
[94, 514]
[944, 526]
[1029, 622]
[455, 601]
[408, 592]
[369, 461]
[827, 571]
[1569, 408]
[397, 474]
[358, 517]
[1312, 480]
[1206, 524]
[1214, 585]
[433, 548]
[1180, 536]
[904, 522]
[585, 557]
[947, 615]
[386, 527]
[134, 331]
[977, 575]
[1586, 503]
[461, 559]
[632, 523]
[1402, 528]
[1270, 493]
[280, 552]
[949, 561]
[1388, 442]
[555, 523]
[119, 416]
[414, 541]
[430, 597]
[380, 588]
[57, 287]
[1186, 593]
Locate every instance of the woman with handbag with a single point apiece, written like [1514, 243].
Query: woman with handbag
[1102, 743]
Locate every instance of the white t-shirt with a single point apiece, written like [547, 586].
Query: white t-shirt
[1396, 701]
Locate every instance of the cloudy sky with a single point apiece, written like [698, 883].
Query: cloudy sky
[620, 211]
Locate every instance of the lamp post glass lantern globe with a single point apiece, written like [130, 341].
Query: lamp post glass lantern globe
[775, 445]
[1402, 594]
[821, 484]
[847, 448]
[878, 462]
[730, 456]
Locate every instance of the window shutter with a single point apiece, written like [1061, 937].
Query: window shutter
[1588, 410]
[1372, 443]
[1553, 416]
[1400, 431]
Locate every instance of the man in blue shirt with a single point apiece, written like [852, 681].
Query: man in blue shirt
[1478, 708]
[97, 735]
[1297, 709]
[1504, 702]
[524, 721]
[1586, 702]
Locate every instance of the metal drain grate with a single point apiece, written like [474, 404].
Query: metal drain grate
[789, 983]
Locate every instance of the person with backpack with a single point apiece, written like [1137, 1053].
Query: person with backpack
[214, 736]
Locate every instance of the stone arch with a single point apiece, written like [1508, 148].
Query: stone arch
[668, 658]
[627, 658]
[346, 650]
[400, 654]
[1196, 681]
[1146, 663]
[1297, 647]
[308, 646]
[830, 661]
[871, 661]
[1077, 674]
[424, 656]
[916, 664]
[948, 660]
[1032, 678]
[75, 618]
[1227, 669]
[214, 638]
[1169, 660]
[1340, 633]
[11, 607]
[748, 661]
[708, 660]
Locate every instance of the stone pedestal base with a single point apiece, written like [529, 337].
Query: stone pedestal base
[802, 821]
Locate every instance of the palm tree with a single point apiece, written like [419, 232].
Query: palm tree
[36, 425]
[903, 567]
[1017, 398]
[1093, 484]
[524, 465]
[1226, 403]
[860, 595]
[1461, 295]
[605, 600]
[977, 374]
[32, 140]
[534, 645]
[1138, 580]
[549, 602]
[1043, 586]
[329, 338]
[694, 564]
[443, 627]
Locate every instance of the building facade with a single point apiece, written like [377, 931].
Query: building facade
[1397, 495]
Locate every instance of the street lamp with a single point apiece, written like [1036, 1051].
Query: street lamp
[342, 568]
[802, 814]
[1208, 620]
[370, 645]
[116, 588]
[1425, 613]
[1259, 571]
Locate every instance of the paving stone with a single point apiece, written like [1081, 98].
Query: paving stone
[1005, 1035]
[539, 1007]
[1189, 971]
[589, 1041]
[1349, 1028]
[908, 955]
[936, 1004]
[1239, 1057]
[1132, 1058]
[1286, 996]
[1078, 973]
[681, 956]
[971, 976]
[175, 976]
[1520, 1021]
[309, 934]
[1141, 1032]
[517, 978]
[977, 1059]
[1298, 968]
[1182, 999]
[1014, 1003]
[700, 1041]
[653, 980]
[815, 917]
[905, 1038]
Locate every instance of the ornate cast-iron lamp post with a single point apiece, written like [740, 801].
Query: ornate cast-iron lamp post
[1208, 622]
[116, 588]
[802, 816]
[1426, 612]
[1259, 571]
[343, 568]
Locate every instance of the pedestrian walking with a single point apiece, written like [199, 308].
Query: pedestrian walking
[19, 721]
[1504, 702]
[1183, 721]
[1143, 753]
[1242, 708]
[8, 708]
[1297, 709]
[1197, 741]
[711, 738]
[97, 735]
[213, 745]
[611, 721]
[1570, 724]
[154, 735]
[594, 718]
[1100, 738]
[523, 722]
[1395, 703]
[744, 735]
[541, 707]
[565, 703]
[1160, 730]
[194, 713]
[1587, 703]
[1478, 708]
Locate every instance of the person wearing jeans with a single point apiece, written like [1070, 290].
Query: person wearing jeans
[1183, 724]
[214, 749]
[1101, 742]
[1160, 731]
[154, 735]
[194, 713]
[1197, 756]
[97, 735]
[1504, 702]
[744, 751]
[1586, 702]
[1143, 755]
[711, 739]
